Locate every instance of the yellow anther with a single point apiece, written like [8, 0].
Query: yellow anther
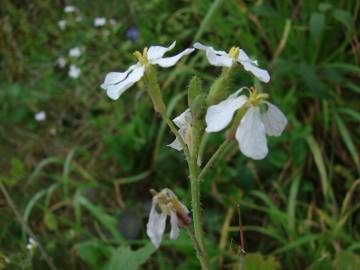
[234, 52]
[256, 97]
[141, 57]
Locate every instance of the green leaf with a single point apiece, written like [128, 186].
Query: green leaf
[320, 264]
[346, 260]
[343, 17]
[51, 221]
[345, 134]
[125, 258]
[317, 24]
[256, 261]
[94, 252]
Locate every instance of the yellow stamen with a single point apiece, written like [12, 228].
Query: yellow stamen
[234, 52]
[256, 97]
[142, 57]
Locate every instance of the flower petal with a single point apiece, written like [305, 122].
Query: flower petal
[184, 119]
[274, 120]
[251, 135]
[251, 66]
[156, 225]
[174, 233]
[156, 52]
[216, 58]
[170, 61]
[114, 91]
[176, 145]
[220, 115]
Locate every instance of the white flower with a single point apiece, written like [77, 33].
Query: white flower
[116, 83]
[61, 62]
[224, 59]
[254, 125]
[31, 245]
[165, 203]
[183, 122]
[40, 116]
[74, 72]
[62, 24]
[70, 9]
[100, 21]
[75, 52]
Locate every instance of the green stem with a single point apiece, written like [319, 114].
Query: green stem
[196, 211]
[212, 160]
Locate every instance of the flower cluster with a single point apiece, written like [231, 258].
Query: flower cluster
[247, 112]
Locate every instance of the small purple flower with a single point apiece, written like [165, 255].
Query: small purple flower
[132, 33]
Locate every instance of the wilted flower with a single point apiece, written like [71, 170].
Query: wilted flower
[74, 72]
[61, 62]
[183, 122]
[165, 203]
[62, 24]
[70, 9]
[224, 59]
[133, 34]
[254, 125]
[40, 116]
[75, 52]
[100, 21]
[31, 245]
[116, 83]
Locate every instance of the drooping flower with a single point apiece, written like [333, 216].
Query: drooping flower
[165, 203]
[116, 83]
[100, 21]
[40, 116]
[62, 24]
[254, 125]
[70, 9]
[75, 52]
[74, 72]
[183, 122]
[224, 59]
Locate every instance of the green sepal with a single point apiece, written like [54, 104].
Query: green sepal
[154, 89]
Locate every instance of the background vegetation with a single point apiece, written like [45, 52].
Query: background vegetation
[80, 179]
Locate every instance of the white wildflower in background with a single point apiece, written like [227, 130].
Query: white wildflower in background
[224, 59]
[74, 72]
[183, 122]
[165, 203]
[116, 83]
[112, 21]
[254, 125]
[100, 21]
[40, 116]
[70, 9]
[75, 52]
[31, 245]
[62, 24]
[61, 62]
[79, 18]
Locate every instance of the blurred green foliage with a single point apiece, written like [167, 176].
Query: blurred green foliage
[80, 178]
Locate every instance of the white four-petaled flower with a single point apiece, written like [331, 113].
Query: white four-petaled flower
[254, 125]
[40, 116]
[224, 59]
[62, 24]
[70, 9]
[100, 21]
[75, 52]
[74, 72]
[165, 203]
[183, 122]
[116, 83]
